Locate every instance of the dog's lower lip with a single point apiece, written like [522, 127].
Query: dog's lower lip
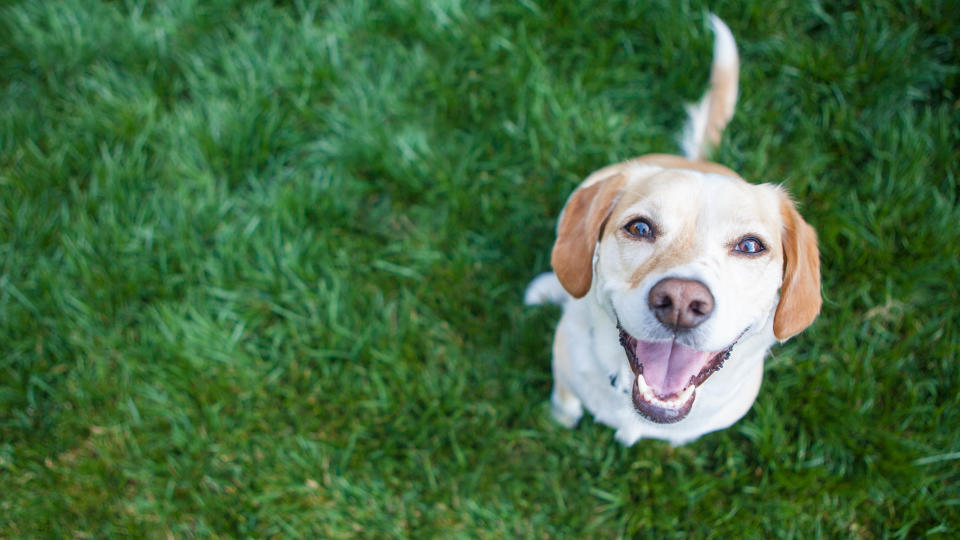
[657, 410]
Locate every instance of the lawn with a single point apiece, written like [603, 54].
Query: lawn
[262, 265]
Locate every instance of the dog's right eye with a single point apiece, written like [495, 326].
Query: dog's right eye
[639, 228]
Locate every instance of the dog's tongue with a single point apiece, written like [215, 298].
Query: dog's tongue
[669, 366]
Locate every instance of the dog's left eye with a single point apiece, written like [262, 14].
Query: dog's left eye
[639, 228]
[749, 245]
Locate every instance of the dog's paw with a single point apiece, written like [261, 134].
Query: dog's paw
[627, 437]
[566, 414]
[564, 418]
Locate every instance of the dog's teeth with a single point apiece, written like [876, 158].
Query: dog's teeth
[651, 397]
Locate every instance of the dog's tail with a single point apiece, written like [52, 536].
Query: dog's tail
[545, 289]
[710, 116]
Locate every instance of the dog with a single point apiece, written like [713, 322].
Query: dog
[675, 276]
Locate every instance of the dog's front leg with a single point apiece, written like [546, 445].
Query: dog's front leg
[565, 406]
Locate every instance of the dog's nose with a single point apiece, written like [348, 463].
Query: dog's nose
[680, 303]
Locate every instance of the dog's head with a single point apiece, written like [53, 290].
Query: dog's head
[687, 263]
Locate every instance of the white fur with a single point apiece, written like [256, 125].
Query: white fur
[545, 289]
[695, 130]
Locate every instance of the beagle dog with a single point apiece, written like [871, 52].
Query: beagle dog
[675, 276]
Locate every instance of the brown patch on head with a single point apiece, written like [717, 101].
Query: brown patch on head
[800, 300]
[580, 227]
[669, 161]
[680, 253]
[683, 240]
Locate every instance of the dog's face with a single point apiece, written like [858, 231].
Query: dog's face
[688, 264]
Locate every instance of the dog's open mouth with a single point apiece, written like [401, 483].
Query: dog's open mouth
[668, 375]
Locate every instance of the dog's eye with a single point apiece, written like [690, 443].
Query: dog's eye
[750, 245]
[639, 228]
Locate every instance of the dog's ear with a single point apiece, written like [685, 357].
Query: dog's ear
[800, 293]
[581, 224]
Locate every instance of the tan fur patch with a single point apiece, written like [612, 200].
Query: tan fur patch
[668, 161]
[800, 299]
[722, 84]
[581, 222]
[682, 250]
[663, 259]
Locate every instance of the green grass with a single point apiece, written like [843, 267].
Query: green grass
[261, 267]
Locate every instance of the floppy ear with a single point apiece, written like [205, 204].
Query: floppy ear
[579, 230]
[800, 293]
